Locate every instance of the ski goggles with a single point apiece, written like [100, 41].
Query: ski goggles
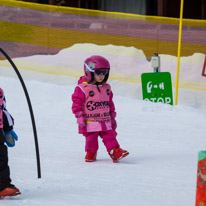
[97, 71]
[101, 71]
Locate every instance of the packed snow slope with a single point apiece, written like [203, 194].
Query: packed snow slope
[163, 142]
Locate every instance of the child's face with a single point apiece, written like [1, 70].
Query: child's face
[99, 78]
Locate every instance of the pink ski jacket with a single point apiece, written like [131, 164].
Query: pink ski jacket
[95, 105]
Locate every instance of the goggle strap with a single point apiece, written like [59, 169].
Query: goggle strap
[88, 68]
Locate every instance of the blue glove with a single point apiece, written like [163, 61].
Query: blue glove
[10, 138]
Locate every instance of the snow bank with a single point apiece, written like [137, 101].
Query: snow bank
[127, 65]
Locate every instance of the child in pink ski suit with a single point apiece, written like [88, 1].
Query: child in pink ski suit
[95, 111]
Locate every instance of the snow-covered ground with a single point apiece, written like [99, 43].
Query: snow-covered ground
[163, 142]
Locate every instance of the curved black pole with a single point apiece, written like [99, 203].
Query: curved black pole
[30, 109]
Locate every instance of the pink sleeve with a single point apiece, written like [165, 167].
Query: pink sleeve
[111, 106]
[78, 99]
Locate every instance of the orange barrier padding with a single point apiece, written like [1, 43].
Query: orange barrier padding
[201, 180]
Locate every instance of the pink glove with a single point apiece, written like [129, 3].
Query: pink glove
[81, 119]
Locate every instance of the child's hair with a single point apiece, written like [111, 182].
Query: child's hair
[95, 62]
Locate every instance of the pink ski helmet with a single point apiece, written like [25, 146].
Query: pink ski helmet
[95, 62]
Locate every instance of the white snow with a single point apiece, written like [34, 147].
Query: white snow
[163, 142]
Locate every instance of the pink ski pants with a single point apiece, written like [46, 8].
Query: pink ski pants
[108, 138]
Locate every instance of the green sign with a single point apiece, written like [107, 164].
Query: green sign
[157, 87]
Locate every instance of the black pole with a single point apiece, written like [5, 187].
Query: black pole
[30, 109]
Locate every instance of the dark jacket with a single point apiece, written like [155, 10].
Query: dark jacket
[8, 123]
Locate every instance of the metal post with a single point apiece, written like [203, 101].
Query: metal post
[179, 51]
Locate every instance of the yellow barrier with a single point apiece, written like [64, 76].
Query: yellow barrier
[149, 32]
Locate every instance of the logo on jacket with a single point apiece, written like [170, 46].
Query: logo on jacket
[91, 105]
[91, 93]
